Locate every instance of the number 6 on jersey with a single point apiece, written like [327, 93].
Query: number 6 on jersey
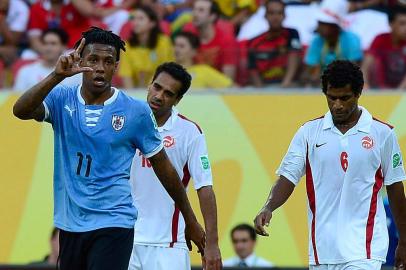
[344, 161]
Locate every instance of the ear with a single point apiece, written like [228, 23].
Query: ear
[116, 66]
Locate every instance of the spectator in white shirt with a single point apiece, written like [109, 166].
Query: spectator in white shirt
[244, 239]
[54, 44]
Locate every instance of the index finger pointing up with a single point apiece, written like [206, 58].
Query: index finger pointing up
[80, 47]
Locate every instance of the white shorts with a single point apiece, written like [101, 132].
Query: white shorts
[159, 258]
[353, 265]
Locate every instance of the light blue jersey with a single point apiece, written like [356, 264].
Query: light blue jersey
[93, 155]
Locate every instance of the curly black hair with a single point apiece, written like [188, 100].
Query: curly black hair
[178, 72]
[341, 73]
[96, 35]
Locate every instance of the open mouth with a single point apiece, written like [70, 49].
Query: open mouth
[155, 105]
[99, 81]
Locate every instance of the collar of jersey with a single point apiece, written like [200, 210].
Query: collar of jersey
[363, 125]
[107, 102]
[171, 121]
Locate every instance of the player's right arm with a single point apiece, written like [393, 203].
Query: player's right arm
[279, 194]
[292, 168]
[30, 104]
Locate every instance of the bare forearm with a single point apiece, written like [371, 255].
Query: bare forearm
[208, 207]
[229, 70]
[33, 98]
[169, 178]
[397, 202]
[279, 194]
[293, 65]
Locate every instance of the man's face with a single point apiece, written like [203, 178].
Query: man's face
[398, 26]
[163, 94]
[275, 14]
[243, 244]
[52, 47]
[342, 103]
[327, 30]
[201, 13]
[183, 49]
[102, 58]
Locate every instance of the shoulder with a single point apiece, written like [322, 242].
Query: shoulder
[230, 262]
[136, 105]
[381, 39]
[292, 32]
[382, 128]
[164, 40]
[313, 122]
[349, 36]
[261, 262]
[192, 126]
[257, 39]
[317, 40]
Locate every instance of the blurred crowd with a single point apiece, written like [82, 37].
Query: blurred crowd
[223, 43]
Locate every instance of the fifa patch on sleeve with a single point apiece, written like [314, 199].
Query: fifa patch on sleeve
[396, 160]
[204, 161]
[153, 120]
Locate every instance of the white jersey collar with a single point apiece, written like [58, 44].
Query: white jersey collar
[364, 122]
[171, 121]
[107, 102]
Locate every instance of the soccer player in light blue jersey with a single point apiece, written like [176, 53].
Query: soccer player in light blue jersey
[97, 129]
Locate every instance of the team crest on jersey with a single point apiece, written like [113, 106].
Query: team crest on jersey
[117, 121]
[169, 141]
[367, 142]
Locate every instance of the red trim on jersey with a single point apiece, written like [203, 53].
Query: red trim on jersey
[187, 119]
[372, 210]
[390, 126]
[175, 218]
[321, 117]
[311, 196]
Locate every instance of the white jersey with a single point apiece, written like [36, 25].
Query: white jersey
[159, 222]
[344, 177]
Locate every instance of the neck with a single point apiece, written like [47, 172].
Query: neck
[395, 40]
[92, 98]
[48, 63]
[273, 32]
[351, 122]
[186, 62]
[207, 33]
[332, 41]
[143, 38]
[161, 119]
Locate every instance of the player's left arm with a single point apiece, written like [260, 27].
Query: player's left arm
[200, 170]
[394, 173]
[208, 207]
[397, 202]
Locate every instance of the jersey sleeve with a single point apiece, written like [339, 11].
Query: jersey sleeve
[147, 138]
[293, 164]
[392, 162]
[52, 103]
[354, 48]
[199, 163]
[294, 44]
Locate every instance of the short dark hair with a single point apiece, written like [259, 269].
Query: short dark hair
[191, 38]
[153, 34]
[62, 35]
[341, 73]
[214, 8]
[178, 72]
[274, 1]
[96, 35]
[244, 227]
[394, 11]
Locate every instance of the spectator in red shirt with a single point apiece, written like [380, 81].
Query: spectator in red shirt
[218, 47]
[274, 57]
[385, 63]
[74, 16]
[46, 14]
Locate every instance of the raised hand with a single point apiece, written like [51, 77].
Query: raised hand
[68, 65]
[194, 232]
[262, 219]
